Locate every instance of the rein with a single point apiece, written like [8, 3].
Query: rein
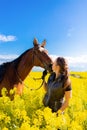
[35, 54]
[20, 80]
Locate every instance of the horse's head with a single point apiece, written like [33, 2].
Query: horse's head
[40, 56]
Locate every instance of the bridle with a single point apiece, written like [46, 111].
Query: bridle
[44, 72]
[35, 53]
[20, 80]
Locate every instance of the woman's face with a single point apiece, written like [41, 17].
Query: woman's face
[55, 67]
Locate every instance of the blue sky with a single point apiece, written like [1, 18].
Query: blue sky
[63, 23]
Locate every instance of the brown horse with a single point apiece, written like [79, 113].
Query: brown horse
[13, 73]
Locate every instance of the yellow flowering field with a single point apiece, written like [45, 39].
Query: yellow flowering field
[27, 112]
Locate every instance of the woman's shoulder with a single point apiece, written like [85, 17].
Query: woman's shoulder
[67, 85]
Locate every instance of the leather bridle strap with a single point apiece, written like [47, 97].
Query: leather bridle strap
[35, 54]
[20, 80]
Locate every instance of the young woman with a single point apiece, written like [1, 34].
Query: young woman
[58, 88]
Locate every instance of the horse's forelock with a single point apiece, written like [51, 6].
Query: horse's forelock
[43, 50]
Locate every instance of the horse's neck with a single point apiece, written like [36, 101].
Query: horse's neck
[25, 65]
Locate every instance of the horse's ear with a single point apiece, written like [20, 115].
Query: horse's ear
[43, 43]
[35, 42]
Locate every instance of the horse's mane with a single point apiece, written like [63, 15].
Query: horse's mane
[15, 62]
[3, 68]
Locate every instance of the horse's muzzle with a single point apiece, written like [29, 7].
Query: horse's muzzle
[50, 68]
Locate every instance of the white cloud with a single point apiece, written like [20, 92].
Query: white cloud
[72, 60]
[6, 58]
[78, 59]
[4, 38]
[77, 63]
[53, 57]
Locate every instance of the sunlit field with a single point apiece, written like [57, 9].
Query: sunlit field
[27, 112]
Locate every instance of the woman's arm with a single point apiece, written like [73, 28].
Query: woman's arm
[68, 95]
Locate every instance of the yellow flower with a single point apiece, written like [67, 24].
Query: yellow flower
[5, 128]
[7, 119]
[25, 126]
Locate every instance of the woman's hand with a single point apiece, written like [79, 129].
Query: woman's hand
[59, 112]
